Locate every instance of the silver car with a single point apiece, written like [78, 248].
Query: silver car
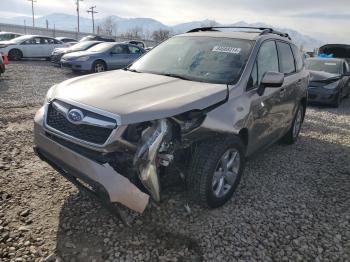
[198, 105]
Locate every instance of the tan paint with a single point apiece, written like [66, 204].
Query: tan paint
[119, 188]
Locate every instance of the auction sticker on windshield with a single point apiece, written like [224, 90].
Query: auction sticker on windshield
[227, 49]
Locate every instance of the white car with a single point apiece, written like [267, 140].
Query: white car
[5, 36]
[30, 46]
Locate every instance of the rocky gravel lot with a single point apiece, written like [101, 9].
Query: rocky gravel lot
[293, 203]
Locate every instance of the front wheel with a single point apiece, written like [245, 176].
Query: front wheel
[338, 100]
[215, 171]
[293, 133]
[99, 66]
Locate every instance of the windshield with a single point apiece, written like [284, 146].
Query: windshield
[329, 66]
[81, 46]
[205, 59]
[101, 47]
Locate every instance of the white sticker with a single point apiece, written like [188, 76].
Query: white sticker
[332, 64]
[227, 49]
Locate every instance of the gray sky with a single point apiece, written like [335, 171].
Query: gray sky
[328, 20]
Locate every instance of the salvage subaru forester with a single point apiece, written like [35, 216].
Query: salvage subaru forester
[200, 103]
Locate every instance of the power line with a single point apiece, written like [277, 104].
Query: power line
[77, 3]
[33, 1]
[92, 11]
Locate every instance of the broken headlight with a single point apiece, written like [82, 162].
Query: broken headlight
[190, 120]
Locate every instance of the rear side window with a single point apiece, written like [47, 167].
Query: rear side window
[267, 60]
[120, 49]
[299, 63]
[134, 50]
[286, 58]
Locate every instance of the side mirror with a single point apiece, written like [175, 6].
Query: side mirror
[346, 74]
[271, 80]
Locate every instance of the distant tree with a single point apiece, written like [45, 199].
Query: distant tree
[134, 33]
[160, 35]
[109, 26]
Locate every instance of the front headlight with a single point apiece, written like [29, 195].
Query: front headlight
[333, 85]
[83, 58]
[49, 94]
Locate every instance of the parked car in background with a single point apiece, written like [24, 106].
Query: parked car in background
[6, 36]
[336, 51]
[67, 40]
[2, 65]
[96, 38]
[102, 57]
[329, 80]
[198, 105]
[30, 46]
[81, 46]
[137, 42]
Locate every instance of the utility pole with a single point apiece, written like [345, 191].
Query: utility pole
[33, 1]
[91, 10]
[77, 3]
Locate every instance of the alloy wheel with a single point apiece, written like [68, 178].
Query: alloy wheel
[99, 68]
[226, 172]
[297, 122]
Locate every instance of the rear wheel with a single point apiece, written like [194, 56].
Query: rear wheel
[99, 66]
[216, 170]
[15, 54]
[293, 133]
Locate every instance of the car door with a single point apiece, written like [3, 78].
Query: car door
[119, 57]
[47, 45]
[31, 47]
[292, 80]
[265, 114]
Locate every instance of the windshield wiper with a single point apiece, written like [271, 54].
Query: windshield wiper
[177, 76]
[131, 70]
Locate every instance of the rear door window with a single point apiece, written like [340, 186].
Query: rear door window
[299, 63]
[286, 58]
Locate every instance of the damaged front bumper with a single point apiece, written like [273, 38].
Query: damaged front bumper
[67, 161]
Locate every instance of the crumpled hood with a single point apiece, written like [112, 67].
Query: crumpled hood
[138, 97]
[321, 76]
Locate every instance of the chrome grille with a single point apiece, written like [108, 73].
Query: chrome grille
[57, 119]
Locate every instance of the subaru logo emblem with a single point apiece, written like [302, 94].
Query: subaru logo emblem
[75, 115]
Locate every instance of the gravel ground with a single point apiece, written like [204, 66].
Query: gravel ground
[292, 203]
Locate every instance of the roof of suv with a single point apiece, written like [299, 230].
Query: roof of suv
[242, 32]
[238, 35]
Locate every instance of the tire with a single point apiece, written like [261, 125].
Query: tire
[206, 173]
[292, 135]
[338, 100]
[98, 66]
[15, 54]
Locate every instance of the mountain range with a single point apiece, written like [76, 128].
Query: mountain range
[148, 25]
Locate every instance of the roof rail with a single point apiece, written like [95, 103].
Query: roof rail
[264, 30]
